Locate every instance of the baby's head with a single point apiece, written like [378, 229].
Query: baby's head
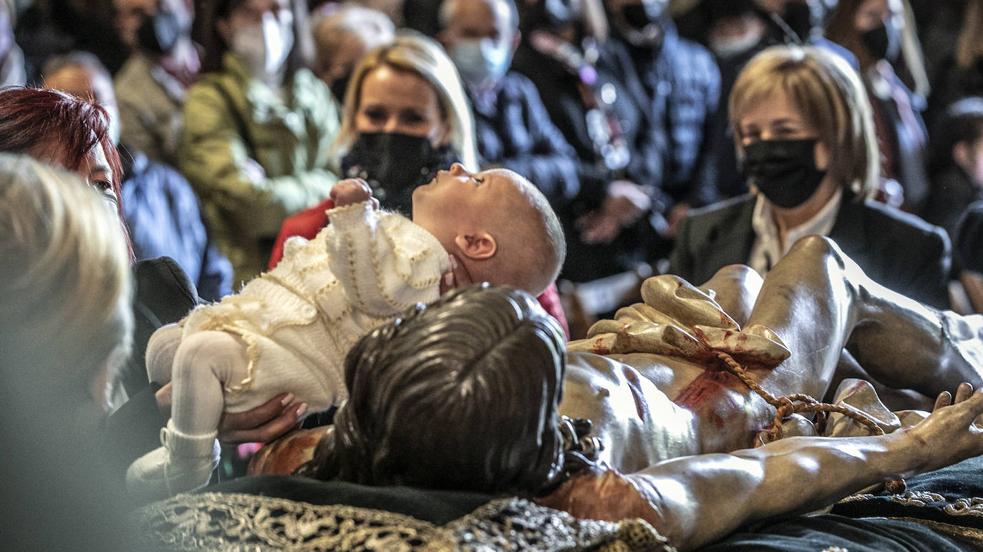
[497, 224]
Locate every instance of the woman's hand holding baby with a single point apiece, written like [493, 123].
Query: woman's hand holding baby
[351, 191]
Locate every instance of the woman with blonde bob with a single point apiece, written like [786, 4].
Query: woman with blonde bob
[804, 132]
[405, 116]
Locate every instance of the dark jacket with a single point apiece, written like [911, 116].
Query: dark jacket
[951, 84]
[165, 220]
[969, 238]
[514, 130]
[894, 248]
[951, 192]
[163, 294]
[682, 85]
[567, 101]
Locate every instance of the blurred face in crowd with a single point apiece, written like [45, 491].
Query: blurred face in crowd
[776, 119]
[480, 36]
[637, 21]
[350, 48]
[874, 13]
[81, 82]
[392, 8]
[396, 101]
[261, 34]
[254, 12]
[879, 24]
[969, 157]
[731, 36]
[130, 14]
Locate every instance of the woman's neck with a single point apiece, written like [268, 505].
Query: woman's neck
[788, 219]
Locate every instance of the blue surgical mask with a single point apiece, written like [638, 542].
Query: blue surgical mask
[481, 61]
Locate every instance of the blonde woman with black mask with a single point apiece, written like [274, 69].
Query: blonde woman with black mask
[805, 136]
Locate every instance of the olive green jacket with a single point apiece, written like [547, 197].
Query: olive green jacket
[253, 170]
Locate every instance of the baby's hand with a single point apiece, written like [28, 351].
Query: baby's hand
[350, 191]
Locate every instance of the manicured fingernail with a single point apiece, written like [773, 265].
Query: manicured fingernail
[301, 410]
[289, 398]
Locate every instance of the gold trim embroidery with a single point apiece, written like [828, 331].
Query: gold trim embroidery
[218, 521]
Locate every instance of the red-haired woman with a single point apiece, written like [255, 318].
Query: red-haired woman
[73, 133]
[63, 130]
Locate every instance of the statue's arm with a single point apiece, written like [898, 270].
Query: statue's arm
[700, 499]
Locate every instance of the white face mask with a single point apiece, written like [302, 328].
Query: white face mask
[264, 47]
[732, 46]
[481, 61]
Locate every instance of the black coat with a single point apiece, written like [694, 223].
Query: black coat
[969, 238]
[896, 249]
[952, 191]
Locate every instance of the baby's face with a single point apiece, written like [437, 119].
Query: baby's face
[457, 198]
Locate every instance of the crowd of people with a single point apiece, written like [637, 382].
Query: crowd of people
[277, 184]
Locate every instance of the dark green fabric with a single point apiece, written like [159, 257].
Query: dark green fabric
[812, 534]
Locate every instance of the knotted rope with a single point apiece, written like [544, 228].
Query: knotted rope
[786, 405]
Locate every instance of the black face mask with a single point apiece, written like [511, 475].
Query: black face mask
[882, 42]
[159, 33]
[783, 170]
[339, 86]
[639, 16]
[394, 165]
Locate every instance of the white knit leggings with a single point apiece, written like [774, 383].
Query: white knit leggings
[198, 368]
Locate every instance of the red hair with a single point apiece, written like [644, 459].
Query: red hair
[35, 121]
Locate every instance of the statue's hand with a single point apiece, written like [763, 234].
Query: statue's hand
[950, 434]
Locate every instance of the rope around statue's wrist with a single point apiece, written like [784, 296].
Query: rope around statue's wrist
[797, 403]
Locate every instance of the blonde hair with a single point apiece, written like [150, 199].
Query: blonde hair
[64, 283]
[418, 54]
[969, 46]
[830, 97]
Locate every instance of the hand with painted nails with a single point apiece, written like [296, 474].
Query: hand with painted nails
[264, 423]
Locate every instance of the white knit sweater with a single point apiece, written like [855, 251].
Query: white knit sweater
[300, 319]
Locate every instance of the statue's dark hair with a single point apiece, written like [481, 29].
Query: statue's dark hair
[460, 395]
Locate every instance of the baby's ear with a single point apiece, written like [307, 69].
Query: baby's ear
[479, 245]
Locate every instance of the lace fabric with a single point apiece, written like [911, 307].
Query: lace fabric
[227, 521]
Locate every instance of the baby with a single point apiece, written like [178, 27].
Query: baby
[289, 329]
